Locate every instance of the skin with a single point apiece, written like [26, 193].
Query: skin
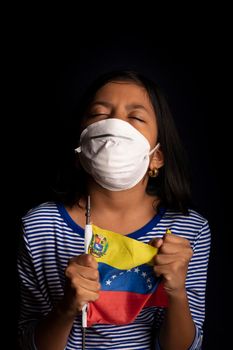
[123, 212]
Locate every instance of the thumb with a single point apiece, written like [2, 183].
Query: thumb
[156, 242]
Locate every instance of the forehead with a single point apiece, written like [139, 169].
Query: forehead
[124, 92]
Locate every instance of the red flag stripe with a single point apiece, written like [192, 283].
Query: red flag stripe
[114, 307]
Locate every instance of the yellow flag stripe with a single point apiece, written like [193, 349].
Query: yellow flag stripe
[118, 250]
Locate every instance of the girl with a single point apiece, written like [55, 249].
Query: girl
[131, 163]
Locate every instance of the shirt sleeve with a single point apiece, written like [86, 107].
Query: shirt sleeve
[196, 284]
[32, 301]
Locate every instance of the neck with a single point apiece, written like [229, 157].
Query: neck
[121, 202]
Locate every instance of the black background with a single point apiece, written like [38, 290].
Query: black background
[195, 82]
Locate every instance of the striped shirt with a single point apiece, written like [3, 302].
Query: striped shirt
[51, 238]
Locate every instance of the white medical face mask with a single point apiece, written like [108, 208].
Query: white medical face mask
[114, 153]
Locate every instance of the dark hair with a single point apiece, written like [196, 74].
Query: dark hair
[172, 185]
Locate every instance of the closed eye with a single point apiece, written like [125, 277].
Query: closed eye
[137, 118]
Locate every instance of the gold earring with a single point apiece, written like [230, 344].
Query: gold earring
[153, 173]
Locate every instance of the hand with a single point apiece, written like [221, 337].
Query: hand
[82, 284]
[171, 262]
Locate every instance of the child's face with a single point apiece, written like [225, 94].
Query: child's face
[126, 101]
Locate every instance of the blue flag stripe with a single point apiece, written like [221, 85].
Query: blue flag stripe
[140, 279]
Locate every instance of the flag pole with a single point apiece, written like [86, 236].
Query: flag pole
[87, 240]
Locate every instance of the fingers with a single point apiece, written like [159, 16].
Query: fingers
[170, 244]
[79, 292]
[89, 273]
[174, 239]
[162, 270]
[171, 262]
[164, 259]
[82, 283]
[156, 242]
[83, 277]
[83, 266]
[172, 248]
[85, 260]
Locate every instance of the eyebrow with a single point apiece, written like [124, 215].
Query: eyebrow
[128, 107]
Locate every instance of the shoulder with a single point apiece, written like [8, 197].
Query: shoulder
[192, 218]
[41, 217]
[43, 210]
[193, 226]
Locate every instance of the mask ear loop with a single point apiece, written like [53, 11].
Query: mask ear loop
[154, 149]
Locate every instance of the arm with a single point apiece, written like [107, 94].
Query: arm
[33, 303]
[81, 288]
[42, 326]
[184, 282]
[178, 329]
[53, 331]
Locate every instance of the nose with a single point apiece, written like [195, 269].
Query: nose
[119, 113]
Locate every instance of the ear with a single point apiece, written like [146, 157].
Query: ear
[157, 160]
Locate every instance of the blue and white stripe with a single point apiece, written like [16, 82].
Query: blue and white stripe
[51, 238]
